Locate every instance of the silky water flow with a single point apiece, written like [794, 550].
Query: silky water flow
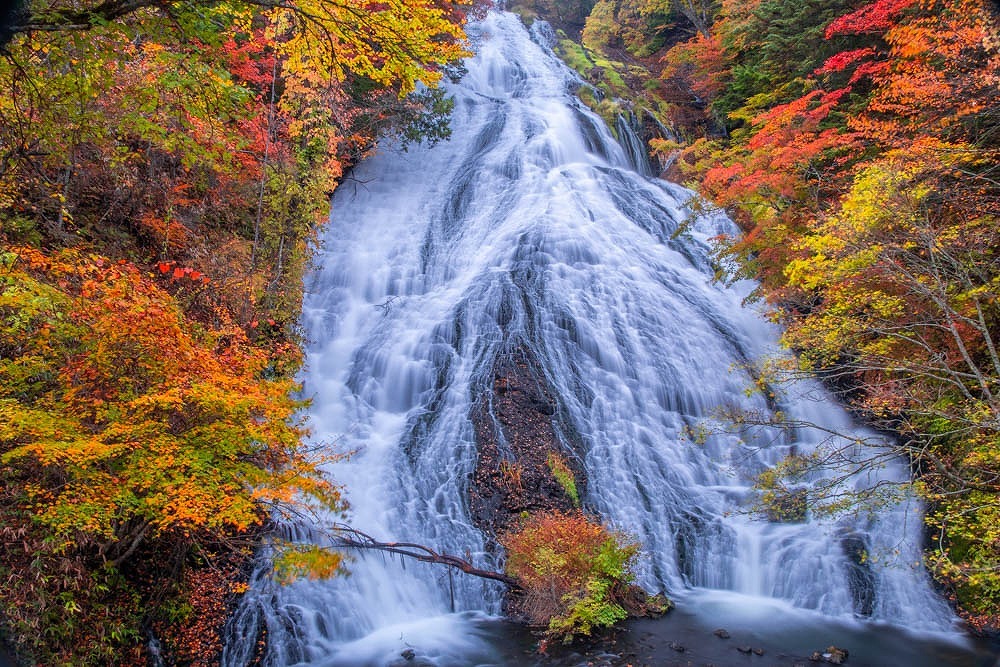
[533, 228]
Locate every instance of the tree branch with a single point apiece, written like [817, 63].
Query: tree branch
[345, 537]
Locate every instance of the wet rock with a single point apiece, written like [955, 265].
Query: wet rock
[543, 406]
[515, 433]
[835, 656]
[758, 651]
[816, 657]
[639, 604]
[745, 649]
[722, 633]
[677, 647]
[408, 654]
[860, 577]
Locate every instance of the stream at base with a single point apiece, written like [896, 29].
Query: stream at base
[784, 636]
[533, 229]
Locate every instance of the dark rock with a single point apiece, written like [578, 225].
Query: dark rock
[543, 405]
[408, 654]
[639, 604]
[816, 657]
[744, 649]
[677, 647]
[515, 434]
[758, 651]
[860, 577]
[722, 633]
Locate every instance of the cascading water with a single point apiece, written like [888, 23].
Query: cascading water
[531, 229]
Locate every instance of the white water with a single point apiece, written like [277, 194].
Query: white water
[530, 227]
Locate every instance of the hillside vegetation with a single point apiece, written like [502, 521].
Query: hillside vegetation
[162, 168]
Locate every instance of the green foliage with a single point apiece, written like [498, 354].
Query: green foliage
[587, 612]
[561, 471]
[968, 561]
[635, 25]
[774, 45]
[431, 120]
[601, 29]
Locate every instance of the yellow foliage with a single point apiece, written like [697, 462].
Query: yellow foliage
[144, 417]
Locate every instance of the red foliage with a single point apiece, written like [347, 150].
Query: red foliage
[840, 61]
[873, 18]
[177, 273]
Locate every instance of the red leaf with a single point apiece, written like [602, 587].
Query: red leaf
[842, 60]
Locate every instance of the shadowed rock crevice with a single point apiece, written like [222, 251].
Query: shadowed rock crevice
[518, 443]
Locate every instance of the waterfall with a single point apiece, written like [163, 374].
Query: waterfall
[531, 229]
[627, 125]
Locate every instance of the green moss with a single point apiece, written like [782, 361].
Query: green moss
[606, 74]
[608, 109]
[560, 470]
[611, 78]
[574, 55]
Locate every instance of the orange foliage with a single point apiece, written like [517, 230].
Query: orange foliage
[564, 559]
[154, 423]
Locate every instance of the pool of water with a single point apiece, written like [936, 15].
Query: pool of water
[782, 635]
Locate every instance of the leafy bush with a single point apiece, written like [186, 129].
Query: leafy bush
[574, 571]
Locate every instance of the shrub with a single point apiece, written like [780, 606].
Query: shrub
[574, 571]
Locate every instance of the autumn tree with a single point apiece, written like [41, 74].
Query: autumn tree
[905, 272]
[639, 26]
[162, 168]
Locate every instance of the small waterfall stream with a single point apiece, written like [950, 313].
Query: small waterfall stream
[531, 228]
